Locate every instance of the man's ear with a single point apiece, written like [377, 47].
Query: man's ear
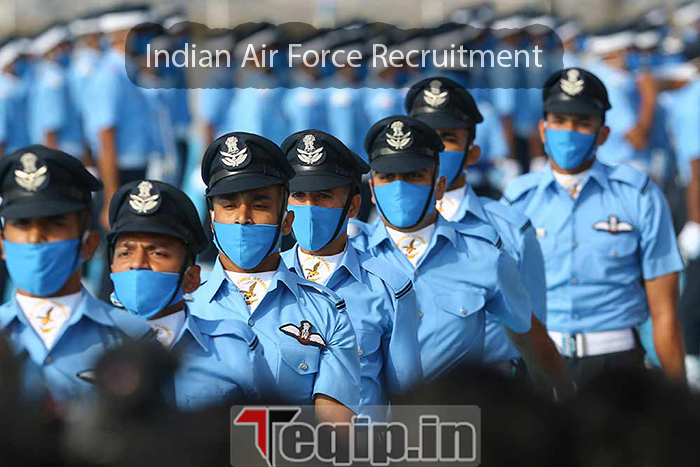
[473, 154]
[371, 190]
[90, 245]
[603, 135]
[541, 127]
[287, 223]
[192, 278]
[355, 205]
[2, 247]
[440, 188]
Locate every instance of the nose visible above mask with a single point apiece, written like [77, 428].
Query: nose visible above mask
[314, 226]
[569, 149]
[402, 203]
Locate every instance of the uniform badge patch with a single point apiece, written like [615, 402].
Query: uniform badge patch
[572, 84]
[411, 245]
[234, 157]
[310, 155]
[252, 289]
[397, 139]
[145, 199]
[30, 177]
[613, 225]
[434, 96]
[303, 334]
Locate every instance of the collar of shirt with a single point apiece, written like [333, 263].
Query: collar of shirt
[597, 173]
[451, 203]
[349, 262]
[442, 229]
[329, 264]
[406, 242]
[168, 328]
[247, 285]
[56, 313]
[190, 326]
[218, 277]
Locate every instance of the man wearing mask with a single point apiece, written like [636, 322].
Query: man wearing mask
[381, 302]
[611, 257]
[56, 327]
[450, 110]
[459, 270]
[308, 339]
[155, 238]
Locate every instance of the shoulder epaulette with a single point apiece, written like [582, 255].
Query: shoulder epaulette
[228, 327]
[508, 214]
[521, 185]
[480, 230]
[330, 294]
[397, 281]
[630, 176]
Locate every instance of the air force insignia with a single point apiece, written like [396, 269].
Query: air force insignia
[397, 139]
[310, 155]
[234, 157]
[573, 83]
[613, 225]
[30, 177]
[145, 199]
[434, 96]
[303, 334]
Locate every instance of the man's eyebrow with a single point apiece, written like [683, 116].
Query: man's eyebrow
[261, 197]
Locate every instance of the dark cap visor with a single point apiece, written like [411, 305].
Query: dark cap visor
[40, 206]
[402, 163]
[242, 182]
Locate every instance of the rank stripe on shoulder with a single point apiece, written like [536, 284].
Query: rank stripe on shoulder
[646, 184]
[499, 243]
[527, 225]
[254, 344]
[401, 293]
[340, 305]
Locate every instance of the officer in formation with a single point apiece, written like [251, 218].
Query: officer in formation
[450, 110]
[155, 238]
[381, 302]
[57, 329]
[304, 328]
[460, 271]
[14, 133]
[611, 256]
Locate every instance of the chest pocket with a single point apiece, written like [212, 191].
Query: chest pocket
[369, 342]
[463, 303]
[296, 370]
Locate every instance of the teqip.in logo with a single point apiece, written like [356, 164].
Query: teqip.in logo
[290, 436]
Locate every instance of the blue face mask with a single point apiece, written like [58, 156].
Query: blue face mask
[314, 226]
[146, 293]
[246, 244]
[41, 269]
[569, 149]
[451, 163]
[402, 203]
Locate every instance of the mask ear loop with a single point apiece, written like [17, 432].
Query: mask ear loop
[425, 207]
[346, 208]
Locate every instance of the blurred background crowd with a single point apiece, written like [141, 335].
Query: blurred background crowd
[62, 77]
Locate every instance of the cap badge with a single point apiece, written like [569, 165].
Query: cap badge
[145, 201]
[30, 177]
[573, 83]
[234, 157]
[398, 139]
[434, 96]
[310, 155]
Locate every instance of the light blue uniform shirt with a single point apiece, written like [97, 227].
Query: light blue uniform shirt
[684, 126]
[51, 108]
[520, 242]
[14, 133]
[301, 371]
[81, 72]
[123, 106]
[462, 276]
[92, 328]
[346, 118]
[215, 101]
[382, 307]
[599, 249]
[219, 361]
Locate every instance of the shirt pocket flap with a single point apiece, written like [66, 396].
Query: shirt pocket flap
[303, 359]
[462, 303]
[369, 342]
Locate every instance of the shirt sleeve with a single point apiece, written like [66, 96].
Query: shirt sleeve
[338, 376]
[532, 267]
[509, 303]
[660, 254]
[402, 353]
[52, 102]
[105, 109]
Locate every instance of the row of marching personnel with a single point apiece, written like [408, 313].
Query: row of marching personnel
[551, 282]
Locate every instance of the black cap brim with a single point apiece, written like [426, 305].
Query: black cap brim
[316, 182]
[146, 227]
[40, 206]
[401, 163]
[576, 107]
[441, 120]
[242, 182]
